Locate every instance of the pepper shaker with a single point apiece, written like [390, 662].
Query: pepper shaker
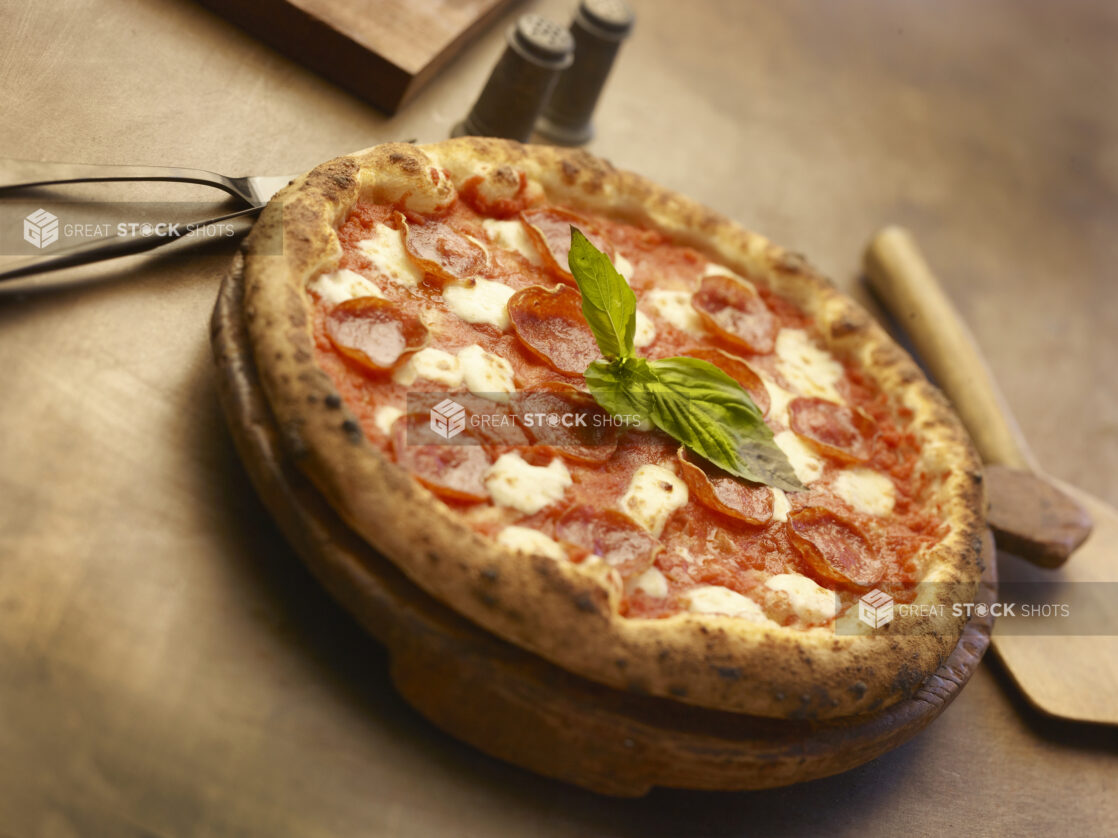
[598, 28]
[521, 82]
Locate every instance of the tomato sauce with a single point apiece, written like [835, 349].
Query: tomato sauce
[698, 544]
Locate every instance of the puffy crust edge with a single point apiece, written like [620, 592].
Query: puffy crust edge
[559, 610]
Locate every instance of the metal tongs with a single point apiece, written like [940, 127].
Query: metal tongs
[24, 174]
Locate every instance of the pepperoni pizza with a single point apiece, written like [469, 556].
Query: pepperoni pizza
[424, 346]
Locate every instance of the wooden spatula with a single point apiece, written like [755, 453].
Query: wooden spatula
[1074, 677]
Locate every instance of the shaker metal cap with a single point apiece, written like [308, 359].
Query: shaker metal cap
[610, 17]
[542, 41]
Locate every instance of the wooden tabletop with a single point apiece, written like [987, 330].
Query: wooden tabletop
[167, 666]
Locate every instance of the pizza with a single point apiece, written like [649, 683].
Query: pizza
[432, 345]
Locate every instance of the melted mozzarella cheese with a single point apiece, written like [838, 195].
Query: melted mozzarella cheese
[385, 248]
[654, 493]
[811, 603]
[433, 365]
[868, 491]
[384, 416]
[715, 599]
[781, 505]
[519, 485]
[805, 463]
[530, 542]
[809, 370]
[779, 399]
[339, 286]
[676, 308]
[485, 374]
[652, 582]
[513, 236]
[624, 267]
[486, 302]
[714, 269]
[645, 331]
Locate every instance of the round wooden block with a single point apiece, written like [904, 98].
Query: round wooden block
[516, 706]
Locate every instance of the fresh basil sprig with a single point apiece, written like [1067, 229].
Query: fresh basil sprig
[690, 400]
[608, 303]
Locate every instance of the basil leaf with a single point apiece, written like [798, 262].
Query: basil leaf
[692, 401]
[621, 387]
[697, 404]
[608, 303]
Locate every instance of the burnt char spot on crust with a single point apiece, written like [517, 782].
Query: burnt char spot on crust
[353, 431]
[847, 326]
[570, 171]
[790, 262]
[505, 176]
[857, 689]
[333, 401]
[296, 310]
[293, 442]
[342, 180]
[584, 602]
[406, 163]
[907, 680]
[730, 673]
[485, 598]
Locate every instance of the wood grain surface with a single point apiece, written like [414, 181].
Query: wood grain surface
[168, 668]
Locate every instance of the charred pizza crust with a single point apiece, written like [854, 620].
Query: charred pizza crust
[565, 612]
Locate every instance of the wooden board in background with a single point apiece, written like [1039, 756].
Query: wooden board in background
[383, 51]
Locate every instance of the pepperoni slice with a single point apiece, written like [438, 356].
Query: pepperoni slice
[373, 332]
[549, 322]
[441, 250]
[738, 370]
[568, 421]
[609, 534]
[735, 310]
[722, 492]
[479, 421]
[835, 429]
[834, 549]
[550, 228]
[456, 472]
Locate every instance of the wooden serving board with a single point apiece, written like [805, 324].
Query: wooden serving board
[383, 51]
[517, 706]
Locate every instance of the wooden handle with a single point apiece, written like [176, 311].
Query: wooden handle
[905, 284]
